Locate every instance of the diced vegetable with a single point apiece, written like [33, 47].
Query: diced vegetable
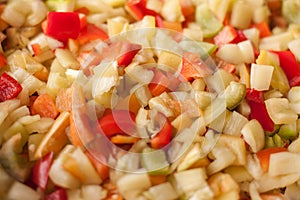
[57, 134]
[234, 94]
[63, 25]
[59, 194]
[280, 111]
[163, 137]
[290, 66]
[258, 108]
[254, 135]
[59, 175]
[16, 164]
[261, 76]
[117, 122]
[9, 87]
[22, 191]
[40, 171]
[264, 156]
[155, 162]
[44, 106]
[210, 25]
[163, 191]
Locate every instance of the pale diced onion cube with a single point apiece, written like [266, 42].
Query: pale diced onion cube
[261, 76]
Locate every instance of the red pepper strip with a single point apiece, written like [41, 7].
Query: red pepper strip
[63, 25]
[91, 32]
[240, 37]
[193, 67]
[164, 136]
[126, 52]
[60, 194]
[9, 87]
[229, 35]
[138, 9]
[116, 122]
[41, 169]
[290, 66]
[258, 108]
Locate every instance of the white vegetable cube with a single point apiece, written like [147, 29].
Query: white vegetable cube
[294, 46]
[164, 191]
[280, 111]
[190, 181]
[252, 34]
[241, 15]
[247, 51]
[231, 53]
[280, 163]
[133, 183]
[254, 135]
[261, 76]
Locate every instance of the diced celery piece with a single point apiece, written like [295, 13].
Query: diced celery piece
[278, 141]
[14, 129]
[288, 131]
[234, 94]
[202, 48]
[269, 142]
[210, 25]
[155, 161]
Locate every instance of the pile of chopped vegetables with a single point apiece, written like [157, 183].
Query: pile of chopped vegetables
[149, 99]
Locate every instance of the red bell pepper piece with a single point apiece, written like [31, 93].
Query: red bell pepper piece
[63, 25]
[164, 136]
[229, 35]
[138, 9]
[125, 51]
[91, 32]
[9, 87]
[41, 169]
[258, 108]
[193, 67]
[116, 122]
[60, 194]
[290, 66]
